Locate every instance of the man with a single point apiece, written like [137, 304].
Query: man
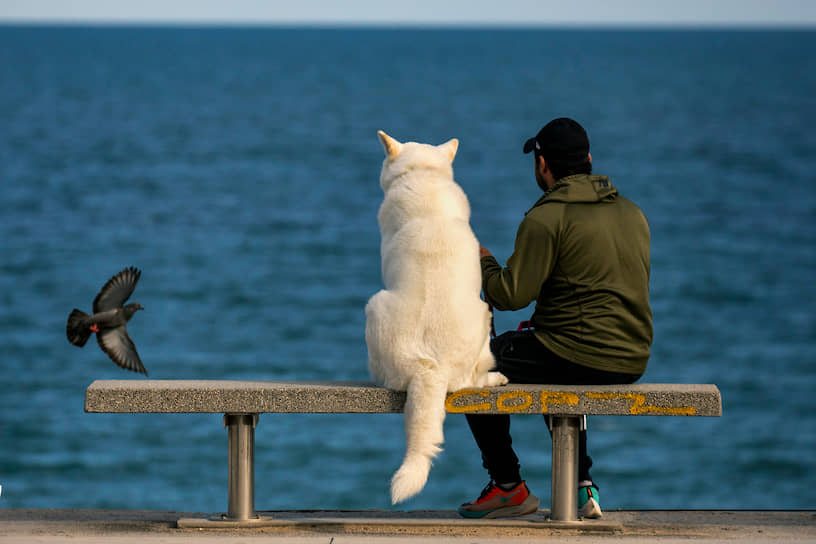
[582, 253]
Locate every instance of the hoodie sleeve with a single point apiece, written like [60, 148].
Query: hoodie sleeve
[519, 283]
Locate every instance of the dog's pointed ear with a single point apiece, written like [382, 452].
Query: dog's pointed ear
[450, 147]
[392, 147]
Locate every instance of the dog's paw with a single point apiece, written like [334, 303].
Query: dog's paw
[496, 378]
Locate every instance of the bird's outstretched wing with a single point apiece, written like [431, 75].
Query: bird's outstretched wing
[117, 344]
[117, 290]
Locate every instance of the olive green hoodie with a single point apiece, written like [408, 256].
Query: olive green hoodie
[582, 253]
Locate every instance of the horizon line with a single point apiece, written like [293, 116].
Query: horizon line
[415, 24]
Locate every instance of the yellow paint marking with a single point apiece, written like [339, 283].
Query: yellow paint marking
[639, 405]
[553, 397]
[526, 402]
[507, 403]
[452, 408]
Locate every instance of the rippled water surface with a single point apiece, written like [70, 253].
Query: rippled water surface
[238, 168]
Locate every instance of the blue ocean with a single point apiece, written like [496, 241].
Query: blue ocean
[239, 169]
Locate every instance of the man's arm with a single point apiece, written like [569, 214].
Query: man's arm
[519, 283]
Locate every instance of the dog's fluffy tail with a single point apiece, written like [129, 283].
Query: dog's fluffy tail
[424, 419]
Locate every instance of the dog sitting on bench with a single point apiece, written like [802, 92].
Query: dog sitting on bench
[428, 331]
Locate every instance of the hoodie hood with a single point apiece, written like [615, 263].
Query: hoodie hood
[579, 188]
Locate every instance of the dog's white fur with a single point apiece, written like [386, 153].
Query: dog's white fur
[428, 331]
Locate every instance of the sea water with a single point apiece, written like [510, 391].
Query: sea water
[239, 167]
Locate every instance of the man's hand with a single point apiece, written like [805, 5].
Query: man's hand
[484, 252]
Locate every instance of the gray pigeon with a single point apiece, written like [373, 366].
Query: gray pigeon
[109, 321]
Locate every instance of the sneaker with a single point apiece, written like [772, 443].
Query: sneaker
[588, 501]
[495, 502]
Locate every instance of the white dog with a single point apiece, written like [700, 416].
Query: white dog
[428, 331]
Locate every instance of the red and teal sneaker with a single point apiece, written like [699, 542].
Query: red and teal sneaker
[495, 502]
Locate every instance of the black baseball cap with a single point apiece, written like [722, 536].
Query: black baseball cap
[561, 140]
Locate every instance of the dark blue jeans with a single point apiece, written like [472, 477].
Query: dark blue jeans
[523, 359]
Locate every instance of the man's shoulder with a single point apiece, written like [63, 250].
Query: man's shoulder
[544, 208]
[628, 202]
[546, 216]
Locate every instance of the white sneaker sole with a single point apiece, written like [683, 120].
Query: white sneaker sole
[590, 510]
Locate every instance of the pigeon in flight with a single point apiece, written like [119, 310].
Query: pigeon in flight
[109, 321]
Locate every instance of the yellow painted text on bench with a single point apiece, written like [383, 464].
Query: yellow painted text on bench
[519, 401]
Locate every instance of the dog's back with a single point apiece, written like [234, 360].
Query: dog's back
[427, 242]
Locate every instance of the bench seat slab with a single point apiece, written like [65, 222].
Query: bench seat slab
[254, 397]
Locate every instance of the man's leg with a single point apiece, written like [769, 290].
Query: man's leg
[492, 434]
[523, 359]
[505, 495]
[517, 353]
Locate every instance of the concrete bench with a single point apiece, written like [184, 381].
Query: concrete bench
[241, 402]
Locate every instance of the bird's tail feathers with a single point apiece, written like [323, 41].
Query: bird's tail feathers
[424, 415]
[77, 330]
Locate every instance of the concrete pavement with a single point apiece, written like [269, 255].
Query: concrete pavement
[378, 527]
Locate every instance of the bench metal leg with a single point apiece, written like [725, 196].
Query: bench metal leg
[241, 461]
[564, 495]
